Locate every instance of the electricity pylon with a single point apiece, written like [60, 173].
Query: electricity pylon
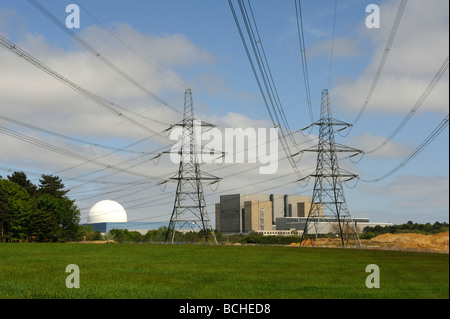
[189, 209]
[328, 201]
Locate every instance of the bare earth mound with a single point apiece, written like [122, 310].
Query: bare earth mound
[438, 242]
[407, 241]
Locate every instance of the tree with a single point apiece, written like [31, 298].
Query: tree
[20, 178]
[4, 215]
[60, 214]
[70, 220]
[48, 215]
[16, 217]
[51, 185]
[43, 227]
[156, 235]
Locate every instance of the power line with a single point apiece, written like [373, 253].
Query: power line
[62, 151]
[332, 44]
[70, 138]
[442, 125]
[110, 106]
[264, 83]
[268, 74]
[153, 201]
[384, 57]
[301, 41]
[97, 54]
[443, 68]
[9, 170]
[129, 47]
[271, 187]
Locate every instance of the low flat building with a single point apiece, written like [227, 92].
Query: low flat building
[140, 227]
[325, 225]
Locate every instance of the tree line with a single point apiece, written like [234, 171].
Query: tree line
[158, 235]
[409, 227]
[37, 213]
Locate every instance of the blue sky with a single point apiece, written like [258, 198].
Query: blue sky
[196, 45]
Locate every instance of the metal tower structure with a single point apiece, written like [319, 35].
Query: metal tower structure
[328, 200]
[189, 209]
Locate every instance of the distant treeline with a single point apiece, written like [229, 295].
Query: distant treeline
[42, 213]
[409, 227]
[158, 235]
[153, 236]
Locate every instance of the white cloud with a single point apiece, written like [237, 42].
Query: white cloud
[342, 47]
[414, 191]
[31, 95]
[206, 82]
[391, 149]
[167, 50]
[11, 21]
[420, 47]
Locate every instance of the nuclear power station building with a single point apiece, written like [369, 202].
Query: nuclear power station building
[272, 214]
[242, 213]
[268, 214]
[107, 215]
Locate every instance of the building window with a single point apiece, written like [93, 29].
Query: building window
[243, 220]
[262, 218]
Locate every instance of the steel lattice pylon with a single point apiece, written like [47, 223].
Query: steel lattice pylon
[189, 209]
[328, 200]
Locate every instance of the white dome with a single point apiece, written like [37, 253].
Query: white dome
[107, 211]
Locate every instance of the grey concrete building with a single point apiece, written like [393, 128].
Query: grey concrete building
[233, 217]
[272, 214]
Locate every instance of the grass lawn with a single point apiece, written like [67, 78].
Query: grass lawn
[210, 272]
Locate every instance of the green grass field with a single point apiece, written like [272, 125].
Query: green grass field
[209, 272]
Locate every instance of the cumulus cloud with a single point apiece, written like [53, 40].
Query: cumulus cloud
[32, 96]
[342, 47]
[414, 191]
[420, 47]
[28, 93]
[391, 149]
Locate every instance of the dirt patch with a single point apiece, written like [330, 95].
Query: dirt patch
[408, 242]
[438, 242]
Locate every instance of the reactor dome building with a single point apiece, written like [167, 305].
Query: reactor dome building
[108, 214]
[107, 211]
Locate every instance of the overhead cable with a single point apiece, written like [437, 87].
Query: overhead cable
[435, 133]
[129, 47]
[301, 41]
[443, 68]
[384, 57]
[96, 53]
[110, 106]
